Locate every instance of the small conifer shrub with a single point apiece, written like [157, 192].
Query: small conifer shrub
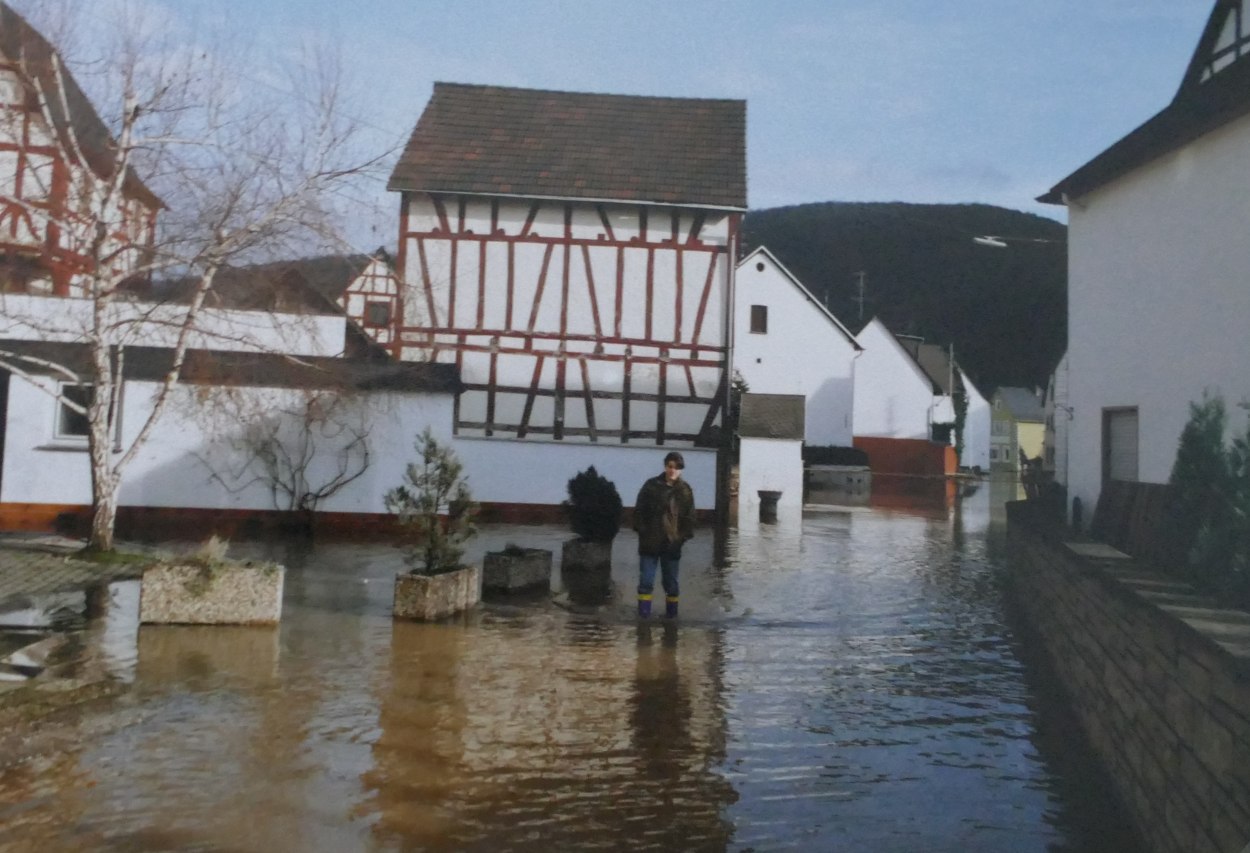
[435, 509]
[593, 506]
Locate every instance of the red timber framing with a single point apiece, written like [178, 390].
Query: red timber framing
[571, 320]
[43, 240]
[373, 302]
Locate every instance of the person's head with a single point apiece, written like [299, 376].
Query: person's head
[673, 465]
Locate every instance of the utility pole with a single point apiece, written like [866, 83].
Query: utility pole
[860, 276]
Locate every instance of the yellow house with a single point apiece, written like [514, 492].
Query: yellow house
[1017, 427]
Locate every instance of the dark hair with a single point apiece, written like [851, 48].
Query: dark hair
[674, 456]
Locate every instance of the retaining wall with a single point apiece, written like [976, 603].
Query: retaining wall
[1159, 677]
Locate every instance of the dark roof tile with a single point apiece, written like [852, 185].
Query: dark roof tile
[503, 141]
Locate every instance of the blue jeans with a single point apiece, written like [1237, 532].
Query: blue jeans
[667, 565]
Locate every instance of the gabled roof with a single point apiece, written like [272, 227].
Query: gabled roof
[495, 140]
[933, 360]
[1023, 404]
[303, 284]
[1214, 92]
[75, 117]
[807, 294]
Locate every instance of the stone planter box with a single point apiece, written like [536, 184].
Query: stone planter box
[584, 556]
[504, 572]
[231, 594]
[586, 570]
[429, 597]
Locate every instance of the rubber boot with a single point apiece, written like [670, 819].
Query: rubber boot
[644, 607]
[670, 607]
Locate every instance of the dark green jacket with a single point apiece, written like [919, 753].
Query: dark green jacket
[663, 516]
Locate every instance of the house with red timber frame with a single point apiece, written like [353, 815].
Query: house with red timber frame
[573, 254]
[53, 147]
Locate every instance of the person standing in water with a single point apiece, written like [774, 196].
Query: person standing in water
[664, 520]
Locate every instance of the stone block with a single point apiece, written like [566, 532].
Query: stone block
[584, 555]
[221, 594]
[507, 571]
[430, 597]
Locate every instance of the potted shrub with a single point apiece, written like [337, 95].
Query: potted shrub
[593, 508]
[206, 588]
[516, 569]
[435, 512]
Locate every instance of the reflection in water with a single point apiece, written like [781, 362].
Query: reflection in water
[844, 680]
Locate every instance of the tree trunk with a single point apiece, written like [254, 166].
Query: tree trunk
[103, 516]
[104, 483]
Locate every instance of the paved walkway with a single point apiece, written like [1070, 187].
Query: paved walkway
[37, 564]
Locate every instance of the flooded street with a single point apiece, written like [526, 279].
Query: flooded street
[848, 680]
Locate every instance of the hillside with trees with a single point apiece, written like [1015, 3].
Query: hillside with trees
[1003, 307]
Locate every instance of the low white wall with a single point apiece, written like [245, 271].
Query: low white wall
[193, 457]
[190, 459]
[770, 464]
[504, 470]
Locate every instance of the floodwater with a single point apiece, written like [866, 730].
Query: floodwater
[848, 680]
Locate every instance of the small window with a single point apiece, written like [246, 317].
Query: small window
[377, 313]
[759, 319]
[69, 422]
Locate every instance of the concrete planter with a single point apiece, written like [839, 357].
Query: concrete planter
[586, 570]
[581, 555]
[429, 597]
[227, 594]
[505, 572]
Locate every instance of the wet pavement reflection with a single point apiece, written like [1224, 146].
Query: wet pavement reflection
[846, 680]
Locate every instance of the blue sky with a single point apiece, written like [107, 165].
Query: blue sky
[850, 100]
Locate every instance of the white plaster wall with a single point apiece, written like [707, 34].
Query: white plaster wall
[803, 351]
[773, 464]
[976, 428]
[51, 318]
[892, 397]
[37, 467]
[187, 461]
[533, 472]
[1158, 301]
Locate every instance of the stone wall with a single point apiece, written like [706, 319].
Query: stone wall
[1159, 677]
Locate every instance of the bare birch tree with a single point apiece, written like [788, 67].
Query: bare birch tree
[238, 170]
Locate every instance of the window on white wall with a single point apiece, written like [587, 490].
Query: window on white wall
[72, 424]
[759, 319]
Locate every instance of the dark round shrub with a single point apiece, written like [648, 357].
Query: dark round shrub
[593, 506]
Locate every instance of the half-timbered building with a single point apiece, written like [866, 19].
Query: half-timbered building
[53, 149]
[573, 254]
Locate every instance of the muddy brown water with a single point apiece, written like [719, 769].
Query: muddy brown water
[844, 681]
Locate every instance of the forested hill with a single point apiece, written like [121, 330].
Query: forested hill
[1003, 308]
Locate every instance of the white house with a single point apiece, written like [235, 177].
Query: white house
[1058, 413]
[894, 396]
[573, 255]
[334, 418]
[770, 451]
[1157, 260]
[977, 421]
[787, 342]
